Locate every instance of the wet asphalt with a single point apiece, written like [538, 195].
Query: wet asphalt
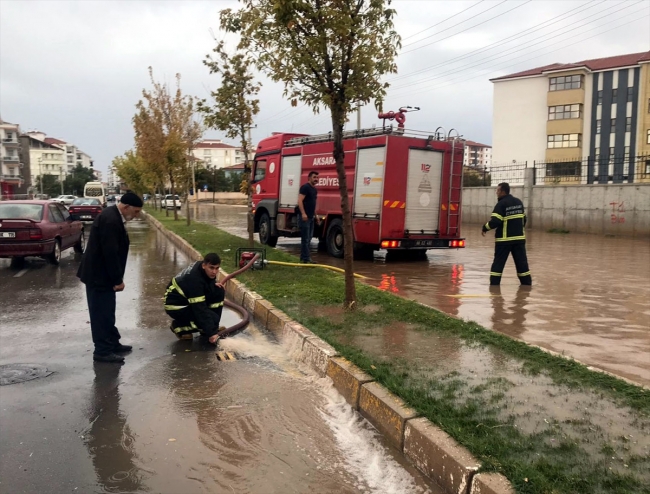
[590, 298]
[172, 419]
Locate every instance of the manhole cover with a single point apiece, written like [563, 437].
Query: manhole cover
[19, 373]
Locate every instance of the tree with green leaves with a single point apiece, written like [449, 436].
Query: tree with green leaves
[326, 52]
[133, 172]
[165, 133]
[234, 105]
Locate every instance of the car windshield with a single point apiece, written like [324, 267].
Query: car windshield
[86, 202]
[21, 211]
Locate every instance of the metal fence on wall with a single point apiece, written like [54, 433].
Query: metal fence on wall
[588, 171]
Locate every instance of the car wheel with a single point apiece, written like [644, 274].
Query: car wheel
[81, 243]
[55, 256]
[265, 231]
[334, 238]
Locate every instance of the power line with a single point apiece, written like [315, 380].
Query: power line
[510, 51]
[467, 29]
[513, 37]
[482, 74]
[457, 24]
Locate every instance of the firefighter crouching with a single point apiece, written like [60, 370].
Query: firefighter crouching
[194, 300]
[509, 220]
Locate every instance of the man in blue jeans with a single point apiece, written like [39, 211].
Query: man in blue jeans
[306, 212]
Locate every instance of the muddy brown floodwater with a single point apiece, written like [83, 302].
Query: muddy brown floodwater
[172, 419]
[590, 299]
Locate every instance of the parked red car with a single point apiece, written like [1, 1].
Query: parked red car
[38, 228]
[86, 209]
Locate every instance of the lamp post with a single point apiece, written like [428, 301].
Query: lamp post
[60, 178]
[213, 169]
[40, 173]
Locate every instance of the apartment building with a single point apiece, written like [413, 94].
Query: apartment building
[587, 119]
[44, 158]
[477, 155]
[214, 152]
[73, 155]
[12, 180]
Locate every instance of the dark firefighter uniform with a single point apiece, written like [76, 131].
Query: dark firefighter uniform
[509, 220]
[194, 302]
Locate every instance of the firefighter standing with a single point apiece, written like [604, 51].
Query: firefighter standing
[509, 220]
[194, 300]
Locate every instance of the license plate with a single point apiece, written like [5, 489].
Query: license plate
[8, 234]
[86, 217]
[423, 243]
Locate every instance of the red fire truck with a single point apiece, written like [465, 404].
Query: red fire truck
[404, 188]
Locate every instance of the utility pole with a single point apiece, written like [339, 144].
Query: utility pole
[358, 115]
[61, 178]
[40, 173]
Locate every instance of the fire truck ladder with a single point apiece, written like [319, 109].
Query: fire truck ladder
[455, 182]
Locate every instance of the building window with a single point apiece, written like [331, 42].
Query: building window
[612, 125]
[565, 82]
[628, 124]
[600, 97]
[599, 124]
[630, 93]
[564, 141]
[611, 151]
[614, 93]
[566, 169]
[648, 137]
[564, 112]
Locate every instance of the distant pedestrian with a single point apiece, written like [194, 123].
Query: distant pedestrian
[509, 220]
[102, 271]
[306, 210]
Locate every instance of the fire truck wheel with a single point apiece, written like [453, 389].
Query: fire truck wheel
[335, 238]
[265, 231]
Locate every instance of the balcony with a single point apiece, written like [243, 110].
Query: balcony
[10, 159]
[15, 179]
[10, 143]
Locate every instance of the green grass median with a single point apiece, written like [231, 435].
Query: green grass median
[549, 424]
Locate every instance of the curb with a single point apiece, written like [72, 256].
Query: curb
[436, 454]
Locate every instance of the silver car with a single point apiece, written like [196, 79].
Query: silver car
[66, 200]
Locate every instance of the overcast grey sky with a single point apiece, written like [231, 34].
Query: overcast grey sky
[75, 69]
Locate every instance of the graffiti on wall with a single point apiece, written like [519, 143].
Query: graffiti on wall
[618, 212]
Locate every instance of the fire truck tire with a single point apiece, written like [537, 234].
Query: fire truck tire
[334, 238]
[265, 231]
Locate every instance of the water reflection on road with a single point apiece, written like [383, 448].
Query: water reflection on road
[590, 299]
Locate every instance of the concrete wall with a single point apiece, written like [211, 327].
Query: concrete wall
[616, 209]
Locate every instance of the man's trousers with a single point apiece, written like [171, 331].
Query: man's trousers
[101, 307]
[501, 252]
[183, 322]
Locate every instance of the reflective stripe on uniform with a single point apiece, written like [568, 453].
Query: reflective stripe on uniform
[495, 274]
[487, 226]
[516, 216]
[175, 307]
[196, 300]
[507, 239]
[527, 273]
[496, 215]
[505, 229]
[216, 305]
[180, 329]
[177, 288]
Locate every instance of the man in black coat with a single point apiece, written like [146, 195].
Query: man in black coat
[102, 271]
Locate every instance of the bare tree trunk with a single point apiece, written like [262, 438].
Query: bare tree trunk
[173, 191]
[251, 221]
[187, 208]
[348, 235]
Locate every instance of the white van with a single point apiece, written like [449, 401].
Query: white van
[95, 190]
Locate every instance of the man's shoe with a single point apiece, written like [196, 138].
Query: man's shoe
[122, 348]
[111, 358]
[309, 262]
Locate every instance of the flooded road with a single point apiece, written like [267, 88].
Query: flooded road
[172, 419]
[590, 299]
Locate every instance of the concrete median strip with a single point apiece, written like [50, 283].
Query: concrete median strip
[430, 449]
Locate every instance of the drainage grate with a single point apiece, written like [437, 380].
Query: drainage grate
[225, 356]
[20, 373]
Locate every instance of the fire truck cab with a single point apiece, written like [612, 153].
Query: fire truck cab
[404, 188]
